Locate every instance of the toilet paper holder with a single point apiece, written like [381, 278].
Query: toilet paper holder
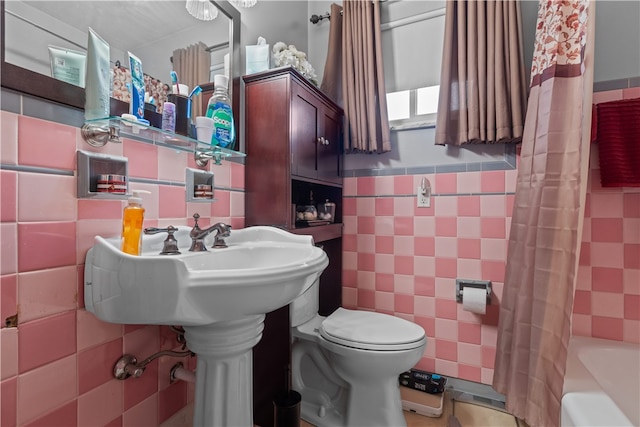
[478, 284]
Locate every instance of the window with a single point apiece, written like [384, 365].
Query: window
[412, 35]
[413, 108]
[399, 105]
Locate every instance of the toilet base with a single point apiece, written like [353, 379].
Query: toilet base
[329, 401]
[360, 412]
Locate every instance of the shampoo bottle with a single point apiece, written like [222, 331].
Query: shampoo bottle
[219, 109]
[132, 219]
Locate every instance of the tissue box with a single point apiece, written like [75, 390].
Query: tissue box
[257, 58]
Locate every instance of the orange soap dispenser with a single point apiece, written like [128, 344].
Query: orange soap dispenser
[132, 219]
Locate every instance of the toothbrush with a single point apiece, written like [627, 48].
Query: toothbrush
[196, 90]
[174, 81]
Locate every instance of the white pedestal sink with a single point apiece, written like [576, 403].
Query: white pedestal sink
[220, 297]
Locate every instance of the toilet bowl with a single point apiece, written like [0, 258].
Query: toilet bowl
[346, 365]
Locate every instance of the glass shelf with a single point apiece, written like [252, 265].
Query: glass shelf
[159, 137]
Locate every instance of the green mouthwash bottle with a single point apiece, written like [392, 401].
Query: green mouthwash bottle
[219, 109]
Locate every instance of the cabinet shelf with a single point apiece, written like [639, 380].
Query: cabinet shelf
[320, 233]
[293, 136]
[152, 135]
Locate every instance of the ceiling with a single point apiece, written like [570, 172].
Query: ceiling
[132, 23]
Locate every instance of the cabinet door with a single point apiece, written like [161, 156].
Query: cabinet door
[328, 146]
[304, 125]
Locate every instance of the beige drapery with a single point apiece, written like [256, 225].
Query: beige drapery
[192, 64]
[546, 228]
[364, 93]
[332, 77]
[482, 82]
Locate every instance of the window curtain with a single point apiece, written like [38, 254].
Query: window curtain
[332, 77]
[546, 228]
[482, 83]
[364, 93]
[192, 64]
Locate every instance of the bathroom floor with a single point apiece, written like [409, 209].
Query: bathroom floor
[467, 415]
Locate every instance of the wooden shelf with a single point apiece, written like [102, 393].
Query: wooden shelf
[320, 233]
[294, 145]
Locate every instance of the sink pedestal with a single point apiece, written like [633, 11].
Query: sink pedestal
[224, 383]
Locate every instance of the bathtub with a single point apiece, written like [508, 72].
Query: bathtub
[601, 384]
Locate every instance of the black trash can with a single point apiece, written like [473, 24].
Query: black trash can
[286, 407]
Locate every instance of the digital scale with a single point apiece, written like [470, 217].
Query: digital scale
[422, 392]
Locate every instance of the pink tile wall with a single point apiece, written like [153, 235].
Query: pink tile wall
[57, 363]
[466, 236]
[607, 299]
[416, 254]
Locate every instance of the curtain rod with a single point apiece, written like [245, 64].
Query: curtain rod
[317, 18]
[393, 24]
[217, 46]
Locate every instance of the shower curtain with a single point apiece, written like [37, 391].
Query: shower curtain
[546, 228]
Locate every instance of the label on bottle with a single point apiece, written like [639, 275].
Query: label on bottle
[169, 117]
[223, 129]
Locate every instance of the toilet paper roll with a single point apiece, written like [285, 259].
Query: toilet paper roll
[474, 300]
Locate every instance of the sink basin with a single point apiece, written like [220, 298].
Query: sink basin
[263, 269]
[220, 297]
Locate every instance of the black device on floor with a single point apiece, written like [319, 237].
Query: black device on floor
[423, 381]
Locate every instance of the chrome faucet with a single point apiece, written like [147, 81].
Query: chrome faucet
[197, 235]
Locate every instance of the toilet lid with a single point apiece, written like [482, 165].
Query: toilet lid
[371, 331]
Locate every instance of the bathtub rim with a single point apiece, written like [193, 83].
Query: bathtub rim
[584, 402]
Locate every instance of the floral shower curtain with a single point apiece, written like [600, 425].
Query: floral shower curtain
[546, 228]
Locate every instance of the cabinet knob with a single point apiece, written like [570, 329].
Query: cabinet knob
[323, 141]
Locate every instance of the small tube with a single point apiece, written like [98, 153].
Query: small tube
[180, 373]
[97, 79]
[68, 65]
[136, 107]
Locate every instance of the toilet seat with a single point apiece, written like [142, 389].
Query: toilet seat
[368, 330]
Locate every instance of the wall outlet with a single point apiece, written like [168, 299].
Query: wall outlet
[423, 197]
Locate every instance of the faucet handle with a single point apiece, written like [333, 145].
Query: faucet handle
[170, 243]
[196, 228]
[223, 231]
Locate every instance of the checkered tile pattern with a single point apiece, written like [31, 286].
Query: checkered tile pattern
[607, 298]
[56, 365]
[403, 260]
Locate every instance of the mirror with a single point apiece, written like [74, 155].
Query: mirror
[151, 30]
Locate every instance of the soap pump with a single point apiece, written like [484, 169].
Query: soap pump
[132, 219]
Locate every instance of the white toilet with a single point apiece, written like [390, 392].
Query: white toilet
[346, 366]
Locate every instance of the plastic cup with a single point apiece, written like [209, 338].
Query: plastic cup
[204, 128]
[184, 89]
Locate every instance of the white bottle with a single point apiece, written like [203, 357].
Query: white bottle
[219, 109]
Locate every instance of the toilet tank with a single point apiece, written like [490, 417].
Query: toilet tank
[306, 306]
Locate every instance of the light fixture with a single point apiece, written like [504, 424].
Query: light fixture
[202, 9]
[243, 3]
